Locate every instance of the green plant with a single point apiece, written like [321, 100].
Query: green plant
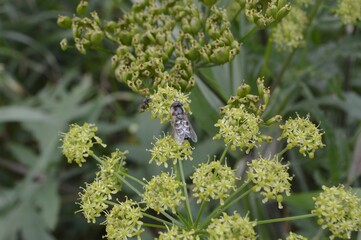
[157, 49]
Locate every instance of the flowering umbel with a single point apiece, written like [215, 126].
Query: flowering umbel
[163, 192]
[270, 178]
[123, 221]
[166, 149]
[232, 227]
[349, 11]
[294, 236]
[213, 181]
[339, 211]
[301, 132]
[175, 233]
[77, 143]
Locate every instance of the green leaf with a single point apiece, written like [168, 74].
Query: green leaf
[203, 112]
[24, 114]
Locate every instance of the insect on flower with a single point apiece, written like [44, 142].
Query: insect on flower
[144, 105]
[183, 129]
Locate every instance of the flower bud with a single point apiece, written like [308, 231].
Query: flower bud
[243, 90]
[64, 21]
[64, 44]
[82, 7]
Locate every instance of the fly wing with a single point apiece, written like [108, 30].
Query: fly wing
[192, 133]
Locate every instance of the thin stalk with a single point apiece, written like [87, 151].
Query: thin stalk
[237, 199]
[200, 213]
[282, 152]
[184, 221]
[250, 32]
[187, 205]
[220, 208]
[274, 220]
[154, 225]
[129, 184]
[157, 219]
[97, 159]
[172, 218]
[133, 178]
[225, 152]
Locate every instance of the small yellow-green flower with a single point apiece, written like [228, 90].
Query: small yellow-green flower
[77, 143]
[163, 192]
[175, 233]
[93, 199]
[166, 149]
[288, 34]
[349, 11]
[239, 128]
[231, 228]
[294, 236]
[270, 178]
[110, 167]
[123, 221]
[339, 211]
[160, 102]
[213, 181]
[302, 133]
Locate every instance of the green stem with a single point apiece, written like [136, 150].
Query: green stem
[154, 225]
[128, 184]
[200, 213]
[250, 32]
[97, 158]
[237, 199]
[185, 192]
[175, 221]
[282, 152]
[156, 219]
[133, 178]
[184, 221]
[286, 219]
[220, 208]
[225, 152]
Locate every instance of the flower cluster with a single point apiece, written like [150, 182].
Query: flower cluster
[349, 11]
[288, 34]
[163, 192]
[213, 181]
[270, 178]
[232, 228]
[241, 120]
[339, 211]
[301, 132]
[157, 43]
[175, 233]
[264, 13]
[166, 149]
[110, 167]
[93, 199]
[106, 183]
[123, 221]
[294, 236]
[78, 141]
[160, 102]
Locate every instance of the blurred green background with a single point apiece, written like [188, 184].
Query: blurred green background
[43, 89]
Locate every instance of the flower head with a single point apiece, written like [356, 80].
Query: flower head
[239, 128]
[339, 211]
[213, 181]
[77, 143]
[349, 11]
[178, 234]
[160, 102]
[270, 178]
[294, 236]
[301, 132]
[231, 227]
[110, 167]
[123, 221]
[166, 149]
[288, 34]
[93, 199]
[163, 192]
